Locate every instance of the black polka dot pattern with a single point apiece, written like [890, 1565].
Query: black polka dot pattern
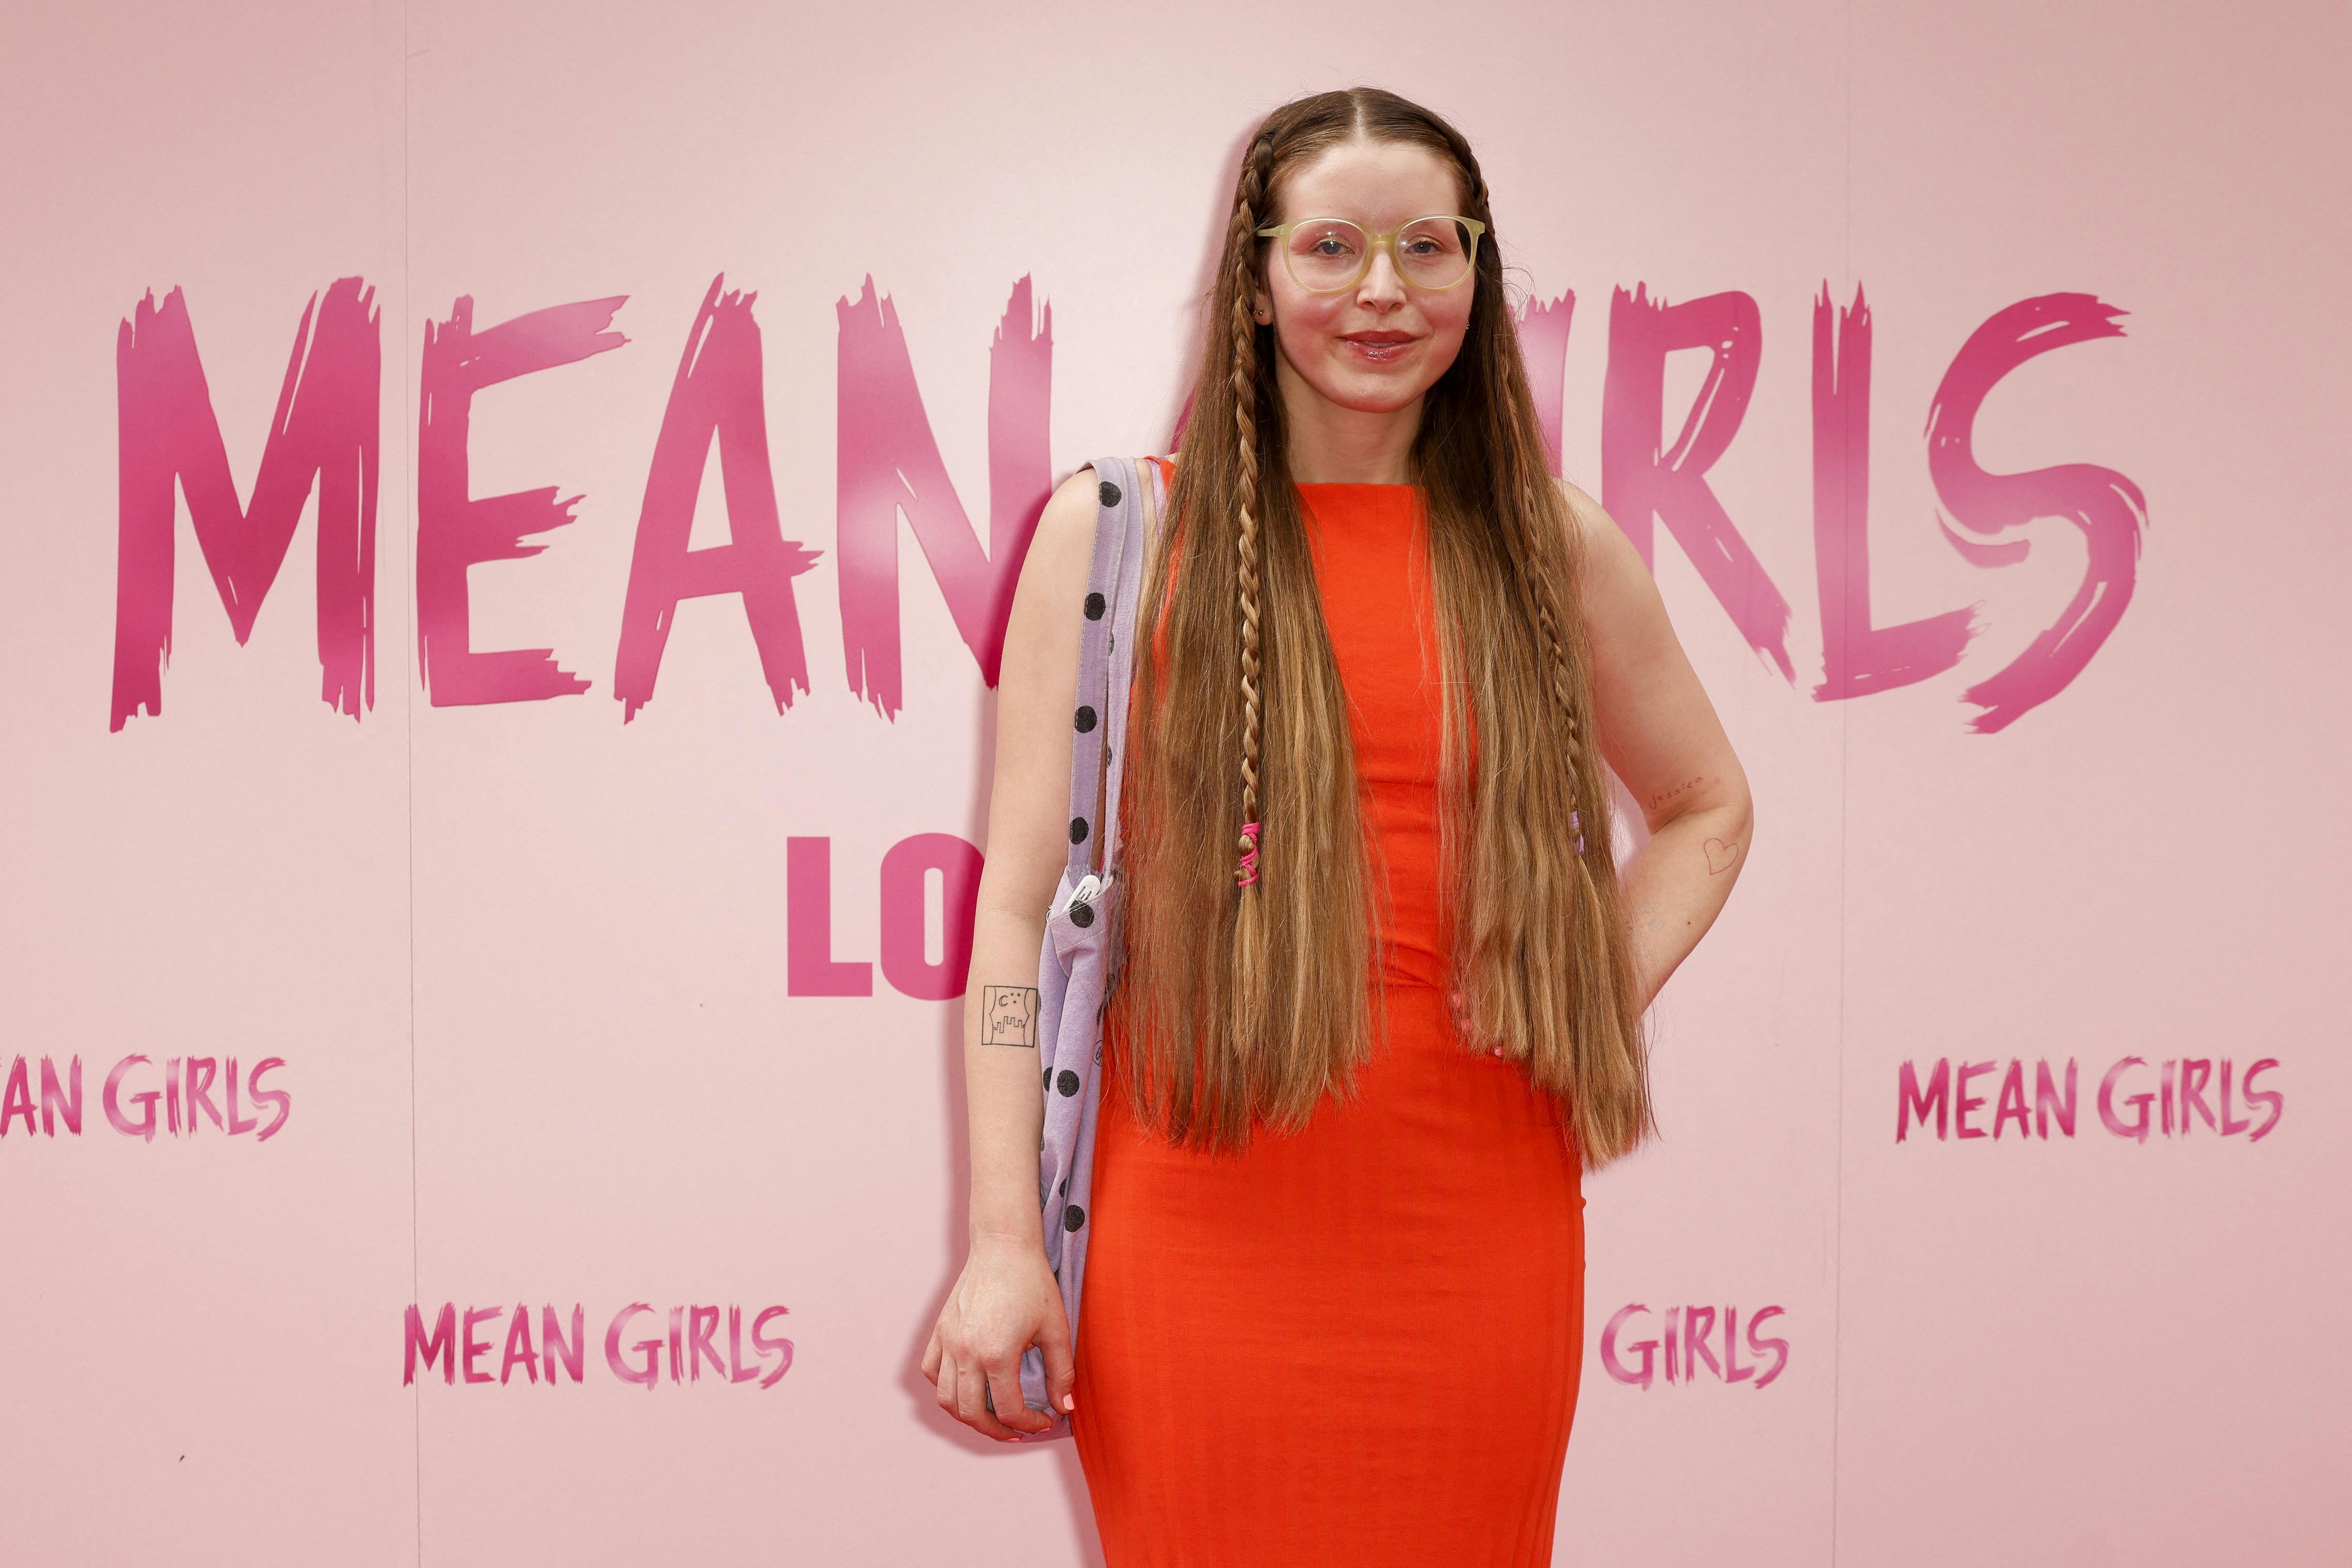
[1073, 1217]
[1077, 830]
[1082, 913]
[1109, 494]
[1095, 605]
[1067, 1082]
[1047, 1082]
[1086, 720]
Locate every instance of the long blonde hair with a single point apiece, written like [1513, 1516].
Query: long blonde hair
[1244, 998]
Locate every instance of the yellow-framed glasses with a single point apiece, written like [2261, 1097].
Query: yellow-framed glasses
[1327, 254]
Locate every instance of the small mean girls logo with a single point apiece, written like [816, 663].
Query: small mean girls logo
[1640, 1347]
[2136, 1099]
[145, 1100]
[466, 1346]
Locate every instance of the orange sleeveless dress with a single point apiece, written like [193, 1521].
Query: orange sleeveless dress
[1358, 1344]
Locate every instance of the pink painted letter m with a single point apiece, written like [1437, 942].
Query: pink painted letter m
[325, 428]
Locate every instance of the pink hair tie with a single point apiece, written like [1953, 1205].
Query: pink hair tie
[1247, 872]
[1576, 824]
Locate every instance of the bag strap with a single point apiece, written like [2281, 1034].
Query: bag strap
[1128, 493]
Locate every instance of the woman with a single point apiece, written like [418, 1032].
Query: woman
[1381, 993]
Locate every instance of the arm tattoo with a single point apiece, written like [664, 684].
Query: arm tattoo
[1008, 1015]
[1688, 785]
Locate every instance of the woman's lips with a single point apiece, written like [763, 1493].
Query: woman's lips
[1377, 348]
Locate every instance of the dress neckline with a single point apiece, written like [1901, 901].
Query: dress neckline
[1167, 467]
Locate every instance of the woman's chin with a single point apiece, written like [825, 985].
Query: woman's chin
[1371, 391]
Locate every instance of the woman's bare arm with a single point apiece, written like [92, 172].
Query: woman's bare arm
[1662, 737]
[1005, 1299]
[1028, 843]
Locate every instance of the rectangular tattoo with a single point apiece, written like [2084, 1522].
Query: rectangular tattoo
[1008, 1015]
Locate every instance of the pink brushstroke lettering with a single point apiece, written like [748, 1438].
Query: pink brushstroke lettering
[1699, 1327]
[717, 396]
[761, 1345]
[325, 428]
[644, 1374]
[810, 968]
[519, 1350]
[455, 530]
[477, 1349]
[1858, 659]
[888, 462]
[2107, 506]
[2270, 1099]
[110, 1099]
[1963, 1102]
[2049, 1105]
[737, 1372]
[2108, 1117]
[1543, 345]
[440, 1346]
[1913, 1103]
[1759, 1345]
[1642, 1376]
[18, 1099]
[702, 1326]
[2010, 1105]
[904, 916]
[553, 1347]
[63, 1103]
[1641, 480]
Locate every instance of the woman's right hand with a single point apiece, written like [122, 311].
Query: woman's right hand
[1005, 1300]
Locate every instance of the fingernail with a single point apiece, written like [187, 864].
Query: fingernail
[1069, 1402]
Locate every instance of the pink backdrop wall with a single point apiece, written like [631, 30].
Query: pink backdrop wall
[574, 1012]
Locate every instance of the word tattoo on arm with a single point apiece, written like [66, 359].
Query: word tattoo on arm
[1008, 1015]
[1685, 787]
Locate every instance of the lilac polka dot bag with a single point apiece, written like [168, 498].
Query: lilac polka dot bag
[1072, 980]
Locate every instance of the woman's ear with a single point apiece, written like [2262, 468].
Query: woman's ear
[1261, 308]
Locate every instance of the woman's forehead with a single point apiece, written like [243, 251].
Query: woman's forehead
[1378, 182]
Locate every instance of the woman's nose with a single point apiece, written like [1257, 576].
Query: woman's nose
[1380, 283]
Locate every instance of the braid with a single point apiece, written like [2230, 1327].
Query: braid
[1240, 249]
[1544, 585]
[1248, 998]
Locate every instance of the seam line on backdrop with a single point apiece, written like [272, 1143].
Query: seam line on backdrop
[1845, 726]
[408, 737]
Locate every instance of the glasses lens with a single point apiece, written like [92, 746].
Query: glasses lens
[1326, 254]
[1434, 253]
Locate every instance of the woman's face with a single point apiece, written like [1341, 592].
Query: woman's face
[1378, 346]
